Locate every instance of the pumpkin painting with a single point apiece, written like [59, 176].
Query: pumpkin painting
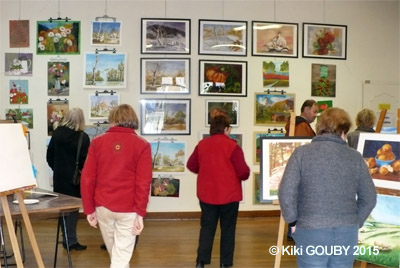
[216, 74]
[222, 78]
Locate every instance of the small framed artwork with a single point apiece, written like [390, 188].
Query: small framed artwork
[382, 155]
[58, 37]
[165, 116]
[165, 36]
[19, 91]
[165, 186]
[258, 135]
[323, 80]
[19, 33]
[238, 137]
[275, 74]
[273, 109]
[100, 105]
[168, 156]
[96, 129]
[275, 153]
[229, 108]
[106, 33]
[55, 114]
[223, 37]
[275, 39]
[323, 105]
[324, 41]
[25, 116]
[105, 70]
[58, 78]
[165, 76]
[18, 64]
[222, 78]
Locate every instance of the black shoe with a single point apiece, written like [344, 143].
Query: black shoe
[224, 265]
[289, 238]
[199, 264]
[103, 247]
[77, 247]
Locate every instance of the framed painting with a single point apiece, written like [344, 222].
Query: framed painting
[229, 108]
[323, 105]
[58, 37]
[222, 78]
[58, 78]
[378, 243]
[165, 186]
[55, 113]
[25, 116]
[323, 80]
[106, 33]
[275, 39]
[257, 137]
[18, 64]
[165, 36]
[164, 76]
[19, 33]
[223, 37]
[100, 105]
[238, 137]
[105, 70]
[382, 154]
[273, 109]
[275, 153]
[275, 74]
[168, 156]
[19, 92]
[165, 116]
[324, 41]
[96, 130]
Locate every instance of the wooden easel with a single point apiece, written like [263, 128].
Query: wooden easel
[28, 225]
[282, 224]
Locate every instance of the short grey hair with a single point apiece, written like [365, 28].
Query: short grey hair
[74, 119]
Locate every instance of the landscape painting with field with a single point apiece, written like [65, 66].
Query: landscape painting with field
[168, 157]
[275, 74]
[273, 109]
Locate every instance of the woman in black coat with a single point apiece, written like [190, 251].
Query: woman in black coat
[61, 157]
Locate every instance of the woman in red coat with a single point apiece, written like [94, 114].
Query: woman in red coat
[221, 168]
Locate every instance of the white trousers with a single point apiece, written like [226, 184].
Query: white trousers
[116, 229]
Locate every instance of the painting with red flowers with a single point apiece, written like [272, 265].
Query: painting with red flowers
[18, 91]
[323, 80]
[58, 37]
[324, 41]
[57, 78]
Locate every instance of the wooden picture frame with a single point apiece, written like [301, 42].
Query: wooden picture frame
[165, 36]
[326, 41]
[230, 108]
[223, 37]
[222, 78]
[165, 116]
[165, 75]
[275, 39]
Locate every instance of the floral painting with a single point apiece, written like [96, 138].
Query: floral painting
[323, 105]
[58, 37]
[106, 33]
[25, 116]
[105, 70]
[323, 80]
[19, 33]
[18, 64]
[55, 113]
[165, 186]
[275, 74]
[273, 109]
[168, 156]
[101, 105]
[58, 78]
[19, 91]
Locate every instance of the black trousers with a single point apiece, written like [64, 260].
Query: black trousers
[71, 221]
[210, 214]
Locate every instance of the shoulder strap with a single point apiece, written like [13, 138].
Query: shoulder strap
[79, 148]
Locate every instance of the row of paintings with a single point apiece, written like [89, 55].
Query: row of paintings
[173, 36]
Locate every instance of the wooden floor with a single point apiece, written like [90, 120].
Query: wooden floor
[163, 243]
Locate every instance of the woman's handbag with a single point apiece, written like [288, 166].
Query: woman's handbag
[76, 179]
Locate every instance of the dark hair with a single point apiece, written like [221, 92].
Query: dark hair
[308, 103]
[333, 121]
[218, 124]
[124, 116]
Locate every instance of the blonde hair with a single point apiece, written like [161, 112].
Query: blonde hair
[124, 116]
[365, 118]
[333, 121]
[74, 119]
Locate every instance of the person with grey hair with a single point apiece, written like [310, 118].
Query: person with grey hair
[61, 157]
[365, 121]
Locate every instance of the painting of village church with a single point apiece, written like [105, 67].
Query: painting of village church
[100, 105]
[168, 156]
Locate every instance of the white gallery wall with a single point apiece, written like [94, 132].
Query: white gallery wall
[372, 54]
